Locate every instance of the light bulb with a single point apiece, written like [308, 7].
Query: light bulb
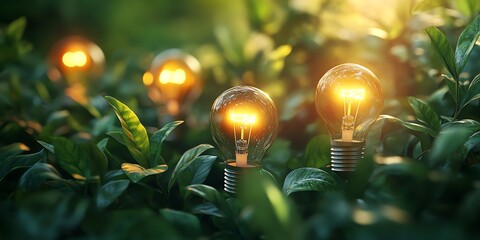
[173, 80]
[348, 99]
[75, 59]
[243, 123]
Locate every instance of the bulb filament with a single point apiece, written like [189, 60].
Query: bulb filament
[176, 76]
[244, 123]
[351, 99]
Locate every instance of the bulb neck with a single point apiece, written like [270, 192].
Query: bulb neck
[344, 155]
[233, 173]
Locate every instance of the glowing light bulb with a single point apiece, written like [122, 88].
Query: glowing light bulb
[243, 123]
[76, 60]
[348, 99]
[173, 80]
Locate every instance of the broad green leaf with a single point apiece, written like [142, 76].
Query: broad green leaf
[212, 196]
[49, 147]
[465, 44]
[317, 153]
[102, 144]
[472, 93]
[207, 209]
[82, 161]
[187, 158]
[272, 211]
[156, 142]
[443, 49]
[450, 139]
[182, 221]
[134, 132]
[197, 172]
[11, 163]
[109, 192]
[117, 135]
[136, 172]
[412, 126]
[12, 150]
[308, 179]
[425, 113]
[37, 175]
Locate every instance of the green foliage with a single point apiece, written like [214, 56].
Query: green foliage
[68, 169]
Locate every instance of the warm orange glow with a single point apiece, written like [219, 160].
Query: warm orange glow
[177, 76]
[147, 78]
[74, 59]
[351, 94]
[243, 118]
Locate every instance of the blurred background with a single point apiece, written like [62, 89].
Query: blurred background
[282, 47]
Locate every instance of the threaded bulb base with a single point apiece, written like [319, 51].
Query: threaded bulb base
[345, 155]
[233, 174]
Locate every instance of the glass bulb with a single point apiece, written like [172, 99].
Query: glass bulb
[77, 60]
[244, 123]
[173, 80]
[348, 99]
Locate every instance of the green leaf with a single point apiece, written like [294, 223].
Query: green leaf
[16, 28]
[412, 126]
[472, 93]
[109, 192]
[187, 158]
[425, 113]
[156, 142]
[182, 221]
[308, 179]
[39, 173]
[118, 135]
[49, 147]
[82, 161]
[466, 42]
[450, 139]
[452, 86]
[211, 195]
[11, 163]
[136, 172]
[134, 132]
[443, 49]
[12, 150]
[197, 172]
[317, 153]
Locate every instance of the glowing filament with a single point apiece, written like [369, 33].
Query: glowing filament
[351, 99]
[244, 122]
[177, 76]
[74, 59]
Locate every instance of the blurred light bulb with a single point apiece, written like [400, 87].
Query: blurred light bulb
[173, 80]
[244, 123]
[348, 99]
[75, 59]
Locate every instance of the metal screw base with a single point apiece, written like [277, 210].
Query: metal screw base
[345, 155]
[232, 175]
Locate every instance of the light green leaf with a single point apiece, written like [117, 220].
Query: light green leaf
[134, 132]
[156, 142]
[16, 28]
[317, 153]
[187, 158]
[472, 93]
[425, 113]
[308, 179]
[412, 126]
[465, 43]
[109, 192]
[49, 147]
[136, 172]
[443, 49]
